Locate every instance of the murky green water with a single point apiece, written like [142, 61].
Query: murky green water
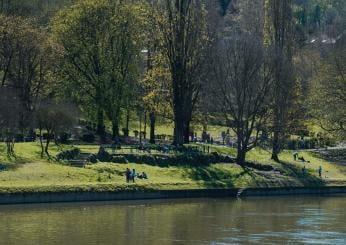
[277, 220]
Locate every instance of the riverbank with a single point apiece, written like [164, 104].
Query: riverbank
[83, 196]
[29, 174]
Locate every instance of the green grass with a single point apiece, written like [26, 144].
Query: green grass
[28, 172]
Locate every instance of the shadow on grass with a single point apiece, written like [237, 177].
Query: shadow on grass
[10, 163]
[303, 178]
[214, 177]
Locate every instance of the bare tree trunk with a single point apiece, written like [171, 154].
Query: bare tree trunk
[115, 128]
[152, 117]
[100, 122]
[276, 139]
[46, 149]
[145, 125]
[41, 142]
[241, 156]
[127, 130]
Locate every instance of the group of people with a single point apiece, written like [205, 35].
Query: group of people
[296, 157]
[131, 175]
[319, 170]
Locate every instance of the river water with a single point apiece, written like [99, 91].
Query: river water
[273, 220]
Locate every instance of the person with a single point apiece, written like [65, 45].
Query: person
[133, 175]
[303, 170]
[303, 159]
[143, 176]
[128, 175]
[320, 171]
[295, 155]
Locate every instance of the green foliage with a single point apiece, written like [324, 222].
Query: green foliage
[328, 91]
[101, 41]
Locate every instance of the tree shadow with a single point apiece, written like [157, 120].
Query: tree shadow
[337, 156]
[212, 177]
[304, 178]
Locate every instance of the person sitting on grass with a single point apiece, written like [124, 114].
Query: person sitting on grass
[302, 159]
[143, 176]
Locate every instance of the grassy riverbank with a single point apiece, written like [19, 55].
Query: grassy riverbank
[29, 173]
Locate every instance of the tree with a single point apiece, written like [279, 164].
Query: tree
[28, 59]
[51, 118]
[279, 35]
[240, 85]
[157, 93]
[183, 28]
[124, 49]
[100, 41]
[328, 91]
[10, 110]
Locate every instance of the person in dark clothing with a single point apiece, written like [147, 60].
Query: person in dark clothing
[320, 171]
[128, 175]
[143, 176]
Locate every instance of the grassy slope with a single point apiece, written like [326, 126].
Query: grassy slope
[31, 173]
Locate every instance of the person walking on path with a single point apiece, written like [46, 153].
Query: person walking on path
[320, 171]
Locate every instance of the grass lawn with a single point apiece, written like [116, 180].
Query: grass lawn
[28, 172]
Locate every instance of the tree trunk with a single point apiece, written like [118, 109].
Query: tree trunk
[127, 130]
[152, 117]
[276, 146]
[100, 123]
[115, 128]
[187, 133]
[178, 133]
[41, 143]
[145, 125]
[241, 156]
[46, 150]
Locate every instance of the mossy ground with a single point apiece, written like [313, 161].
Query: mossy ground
[29, 172]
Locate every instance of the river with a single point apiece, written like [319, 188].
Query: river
[270, 220]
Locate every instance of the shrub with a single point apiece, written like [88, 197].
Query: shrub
[68, 155]
[103, 155]
[64, 137]
[19, 137]
[89, 137]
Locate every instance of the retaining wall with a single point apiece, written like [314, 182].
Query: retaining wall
[22, 198]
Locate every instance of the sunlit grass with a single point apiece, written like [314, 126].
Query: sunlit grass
[29, 172]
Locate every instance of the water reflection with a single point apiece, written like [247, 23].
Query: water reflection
[313, 220]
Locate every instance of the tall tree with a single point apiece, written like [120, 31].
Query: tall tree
[100, 47]
[28, 59]
[183, 28]
[279, 34]
[328, 91]
[240, 85]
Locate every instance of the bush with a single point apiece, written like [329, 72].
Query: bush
[68, 155]
[89, 137]
[64, 137]
[92, 158]
[103, 155]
